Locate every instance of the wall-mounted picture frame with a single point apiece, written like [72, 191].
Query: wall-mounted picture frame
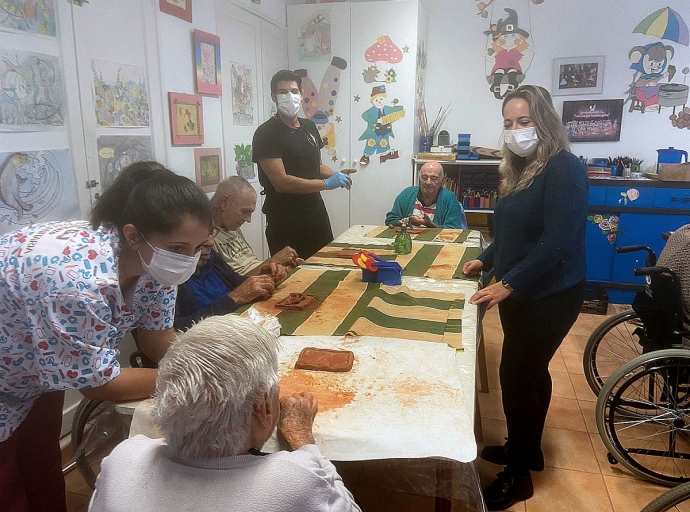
[209, 168]
[578, 75]
[186, 119]
[179, 8]
[207, 58]
[593, 120]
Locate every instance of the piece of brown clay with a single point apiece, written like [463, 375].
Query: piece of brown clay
[296, 301]
[325, 360]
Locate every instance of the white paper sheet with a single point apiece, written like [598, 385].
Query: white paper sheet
[355, 235]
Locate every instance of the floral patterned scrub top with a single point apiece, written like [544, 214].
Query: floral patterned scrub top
[62, 314]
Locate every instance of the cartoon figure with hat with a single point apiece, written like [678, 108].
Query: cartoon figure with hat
[380, 118]
[508, 49]
[326, 130]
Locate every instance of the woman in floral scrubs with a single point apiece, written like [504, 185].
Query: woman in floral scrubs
[69, 292]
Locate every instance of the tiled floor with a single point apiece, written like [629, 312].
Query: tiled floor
[577, 478]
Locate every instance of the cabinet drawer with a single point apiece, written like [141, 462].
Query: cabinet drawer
[630, 197]
[672, 198]
[597, 196]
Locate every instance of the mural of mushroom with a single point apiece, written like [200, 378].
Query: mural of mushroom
[384, 51]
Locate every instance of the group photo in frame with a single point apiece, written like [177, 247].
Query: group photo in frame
[186, 119]
[578, 75]
[593, 120]
[207, 63]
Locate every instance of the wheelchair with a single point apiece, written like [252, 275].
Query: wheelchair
[643, 408]
[633, 332]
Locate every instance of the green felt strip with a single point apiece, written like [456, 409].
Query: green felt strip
[359, 308]
[321, 288]
[368, 247]
[422, 260]
[462, 238]
[404, 299]
[392, 322]
[386, 233]
[471, 253]
[428, 235]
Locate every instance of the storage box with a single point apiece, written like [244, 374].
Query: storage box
[390, 274]
[674, 172]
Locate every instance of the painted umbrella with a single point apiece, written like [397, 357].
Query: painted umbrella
[665, 24]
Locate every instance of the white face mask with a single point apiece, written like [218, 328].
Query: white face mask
[289, 104]
[169, 268]
[522, 142]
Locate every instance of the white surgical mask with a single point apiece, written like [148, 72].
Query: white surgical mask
[289, 104]
[522, 142]
[169, 268]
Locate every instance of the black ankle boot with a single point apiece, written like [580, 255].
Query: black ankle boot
[499, 455]
[508, 489]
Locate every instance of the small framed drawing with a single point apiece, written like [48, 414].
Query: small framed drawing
[186, 119]
[578, 75]
[179, 8]
[207, 56]
[209, 169]
[593, 120]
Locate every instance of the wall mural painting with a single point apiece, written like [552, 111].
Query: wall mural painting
[652, 86]
[483, 6]
[32, 91]
[243, 162]
[120, 94]
[382, 55]
[34, 17]
[115, 152]
[36, 186]
[314, 38]
[380, 118]
[242, 88]
[319, 104]
[509, 53]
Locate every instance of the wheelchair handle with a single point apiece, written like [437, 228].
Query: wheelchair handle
[650, 261]
[650, 271]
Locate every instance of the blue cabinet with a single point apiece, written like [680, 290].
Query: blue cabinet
[636, 214]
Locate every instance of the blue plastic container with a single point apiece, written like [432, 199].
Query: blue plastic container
[389, 273]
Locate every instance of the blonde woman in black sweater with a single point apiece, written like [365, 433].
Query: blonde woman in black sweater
[538, 256]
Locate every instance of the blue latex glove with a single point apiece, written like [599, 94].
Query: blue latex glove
[338, 180]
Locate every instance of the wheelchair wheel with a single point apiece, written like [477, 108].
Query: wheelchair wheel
[643, 416]
[671, 500]
[615, 342]
[96, 430]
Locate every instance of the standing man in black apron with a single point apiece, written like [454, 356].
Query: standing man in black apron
[287, 149]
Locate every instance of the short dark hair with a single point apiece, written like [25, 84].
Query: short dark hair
[151, 197]
[285, 75]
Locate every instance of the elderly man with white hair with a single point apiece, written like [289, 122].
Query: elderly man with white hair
[217, 403]
[429, 205]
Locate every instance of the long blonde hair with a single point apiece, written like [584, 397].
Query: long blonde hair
[517, 173]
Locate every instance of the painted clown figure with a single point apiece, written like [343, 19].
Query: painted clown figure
[380, 118]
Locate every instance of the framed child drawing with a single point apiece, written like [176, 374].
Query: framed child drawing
[186, 119]
[207, 57]
[179, 8]
[209, 171]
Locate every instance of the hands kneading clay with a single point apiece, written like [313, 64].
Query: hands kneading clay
[296, 301]
[325, 360]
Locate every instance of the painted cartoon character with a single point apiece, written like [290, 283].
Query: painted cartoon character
[650, 63]
[380, 118]
[326, 130]
[509, 48]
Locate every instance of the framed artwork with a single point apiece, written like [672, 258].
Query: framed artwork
[186, 119]
[593, 120]
[578, 75]
[209, 169]
[207, 57]
[179, 8]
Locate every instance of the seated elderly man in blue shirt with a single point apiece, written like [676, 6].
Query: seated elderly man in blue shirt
[428, 205]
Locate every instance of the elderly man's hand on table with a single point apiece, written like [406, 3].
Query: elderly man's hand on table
[297, 413]
[287, 257]
[276, 271]
[254, 288]
[416, 220]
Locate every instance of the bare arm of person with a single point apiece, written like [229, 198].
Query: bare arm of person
[286, 184]
[131, 384]
[155, 343]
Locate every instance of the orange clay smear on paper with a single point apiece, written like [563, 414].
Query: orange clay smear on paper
[410, 390]
[327, 387]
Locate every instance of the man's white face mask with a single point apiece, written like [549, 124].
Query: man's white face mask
[289, 104]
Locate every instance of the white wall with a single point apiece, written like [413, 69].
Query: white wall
[560, 28]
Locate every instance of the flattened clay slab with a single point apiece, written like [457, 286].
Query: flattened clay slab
[296, 301]
[325, 360]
